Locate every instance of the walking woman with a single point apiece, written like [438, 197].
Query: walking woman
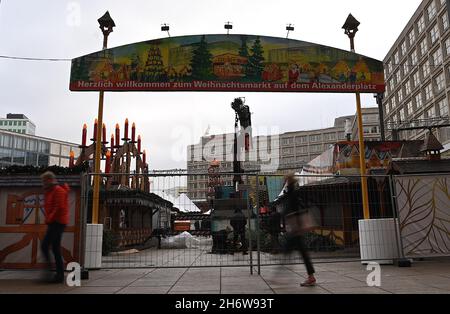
[297, 220]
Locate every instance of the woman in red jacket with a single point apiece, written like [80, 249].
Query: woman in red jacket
[56, 207]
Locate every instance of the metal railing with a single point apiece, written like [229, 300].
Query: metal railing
[196, 236]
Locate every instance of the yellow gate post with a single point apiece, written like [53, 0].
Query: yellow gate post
[106, 25]
[351, 27]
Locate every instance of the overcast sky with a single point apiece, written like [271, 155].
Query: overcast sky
[170, 121]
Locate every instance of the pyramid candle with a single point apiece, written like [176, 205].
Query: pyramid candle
[83, 135]
[139, 144]
[104, 133]
[133, 132]
[108, 162]
[117, 134]
[126, 129]
[95, 130]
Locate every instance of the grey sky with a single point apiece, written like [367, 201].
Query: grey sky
[53, 28]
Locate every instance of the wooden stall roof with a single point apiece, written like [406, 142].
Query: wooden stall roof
[35, 180]
[191, 216]
[133, 197]
[420, 166]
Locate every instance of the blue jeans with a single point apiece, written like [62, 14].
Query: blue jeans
[53, 238]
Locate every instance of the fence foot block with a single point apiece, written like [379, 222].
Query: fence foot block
[84, 274]
[403, 262]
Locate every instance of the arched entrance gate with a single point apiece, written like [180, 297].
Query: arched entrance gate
[246, 63]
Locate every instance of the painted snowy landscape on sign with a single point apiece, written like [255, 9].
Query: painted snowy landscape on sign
[226, 63]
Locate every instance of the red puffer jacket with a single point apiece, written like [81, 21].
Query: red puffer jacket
[57, 205]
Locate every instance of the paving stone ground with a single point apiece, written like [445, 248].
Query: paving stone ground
[424, 277]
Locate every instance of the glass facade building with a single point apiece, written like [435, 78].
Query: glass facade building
[23, 149]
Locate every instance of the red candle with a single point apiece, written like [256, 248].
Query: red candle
[126, 129]
[133, 132]
[112, 141]
[108, 162]
[95, 130]
[104, 133]
[117, 134]
[72, 159]
[139, 144]
[143, 158]
[84, 134]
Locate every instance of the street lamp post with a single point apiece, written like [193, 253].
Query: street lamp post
[351, 27]
[106, 26]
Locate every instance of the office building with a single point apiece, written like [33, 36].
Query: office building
[18, 123]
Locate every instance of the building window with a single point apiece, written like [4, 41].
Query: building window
[428, 92]
[431, 112]
[44, 147]
[330, 136]
[434, 34]
[31, 159]
[391, 85]
[302, 150]
[402, 115]
[396, 58]
[443, 108]
[414, 59]
[412, 37]
[19, 142]
[416, 79]
[440, 82]
[398, 77]
[408, 87]
[431, 10]
[409, 108]
[403, 48]
[421, 24]
[426, 70]
[5, 154]
[423, 47]
[387, 108]
[418, 99]
[316, 148]
[437, 58]
[400, 95]
[394, 102]
[405, 68]
[447, 47]
[315, 138]
[301, 139]
[444, 19]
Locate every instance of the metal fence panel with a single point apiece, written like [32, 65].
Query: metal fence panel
[139, 232]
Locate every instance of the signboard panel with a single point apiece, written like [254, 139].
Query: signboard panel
[227, 63]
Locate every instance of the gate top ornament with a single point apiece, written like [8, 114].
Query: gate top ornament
[227, 63]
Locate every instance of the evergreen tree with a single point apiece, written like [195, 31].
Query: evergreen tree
[201, 62]
[135, 62]
[81, 70]
[243, 50]
[154, 68]
[255, 64]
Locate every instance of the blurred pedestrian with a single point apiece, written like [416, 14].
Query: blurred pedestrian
[56, 206]
[274, 228]
[238, 222]
[297, 220]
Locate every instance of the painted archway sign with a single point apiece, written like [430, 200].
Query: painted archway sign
[227, 63]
